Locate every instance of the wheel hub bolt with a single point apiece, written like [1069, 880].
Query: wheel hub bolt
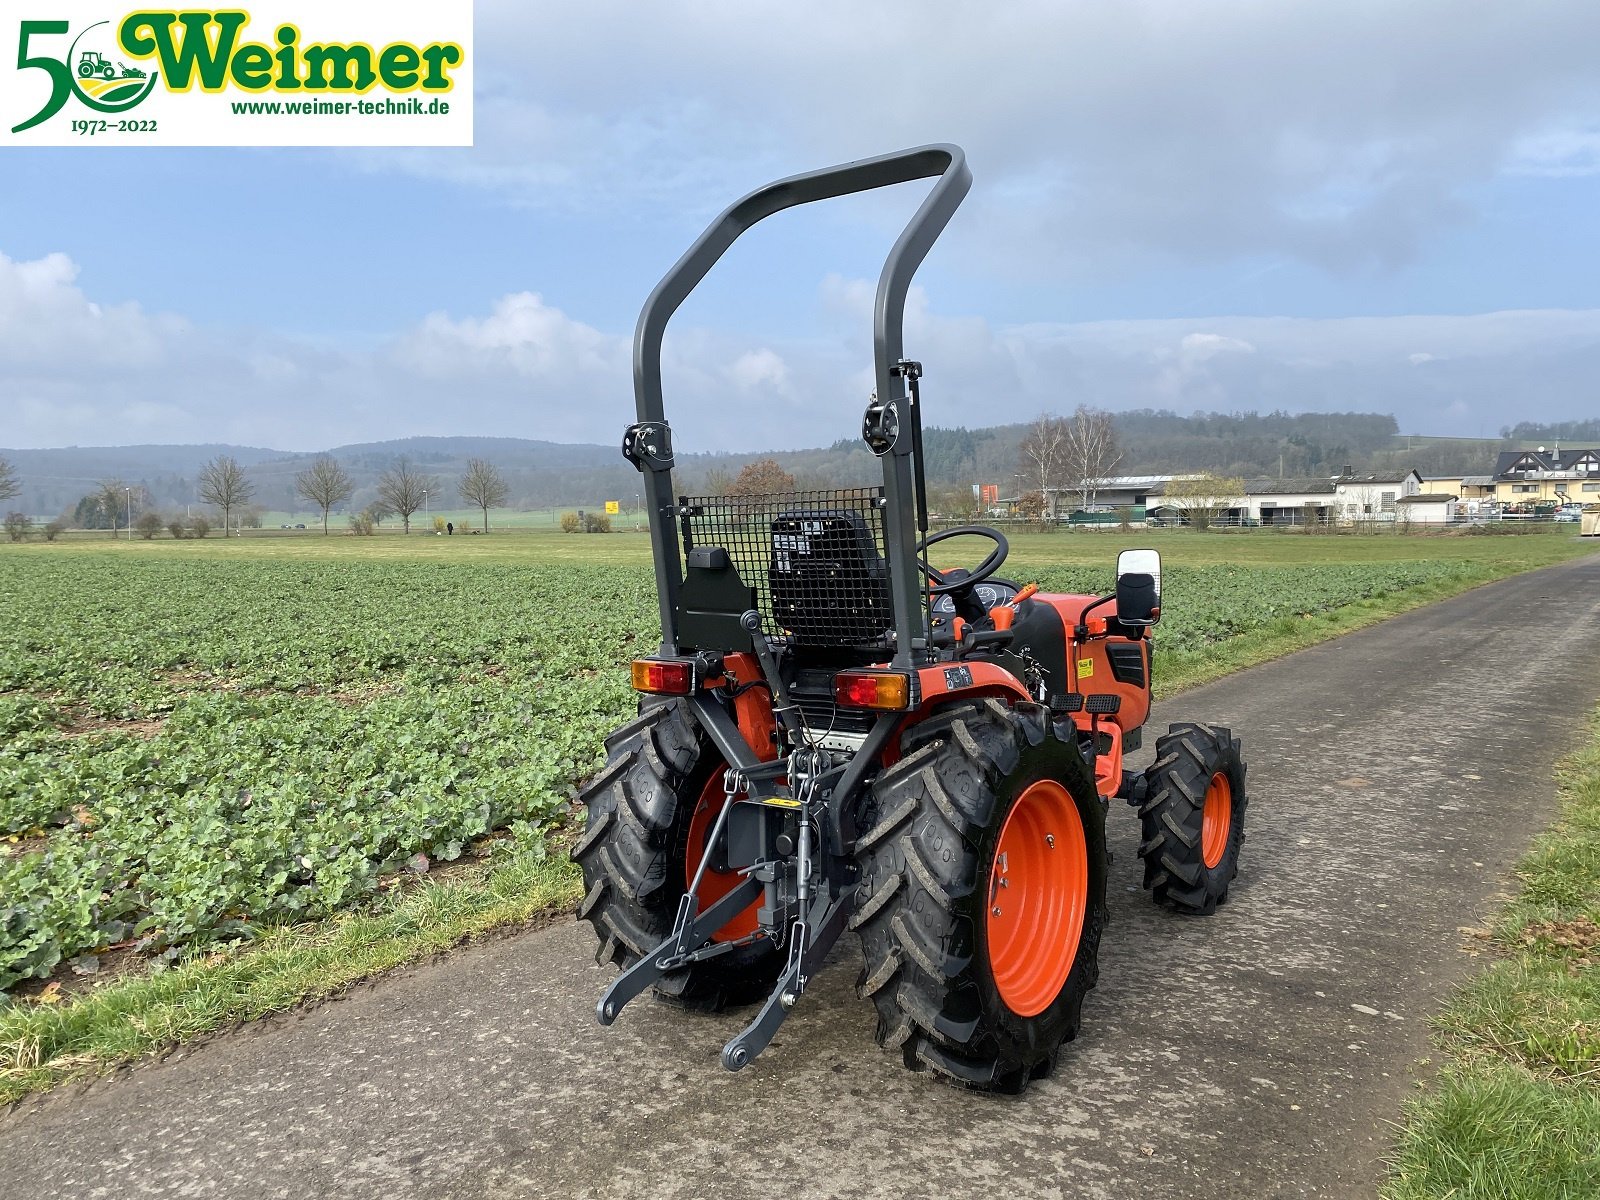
[1050, 840]
[995, 910]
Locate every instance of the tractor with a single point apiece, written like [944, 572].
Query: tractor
[837, 735]
[92, 62]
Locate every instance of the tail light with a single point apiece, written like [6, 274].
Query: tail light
[663, 676]
[889, 690]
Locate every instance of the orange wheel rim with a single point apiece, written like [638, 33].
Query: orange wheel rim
[1217, 821]
[1038, 895]
[715, 884]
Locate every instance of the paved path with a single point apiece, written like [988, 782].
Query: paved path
[1395, 774]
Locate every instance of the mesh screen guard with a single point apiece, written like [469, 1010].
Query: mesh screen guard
[816, 560]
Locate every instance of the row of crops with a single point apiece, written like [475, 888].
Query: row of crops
[189, 750]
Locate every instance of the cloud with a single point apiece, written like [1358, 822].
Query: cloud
[1558, 153]
[760, 369]
[1107, 137]
[1208, 345]
[73, 370]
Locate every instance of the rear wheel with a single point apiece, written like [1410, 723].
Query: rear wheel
[982, 895]
[1191, 813]
[650, 810]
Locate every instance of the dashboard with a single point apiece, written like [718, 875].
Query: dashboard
[989, 593]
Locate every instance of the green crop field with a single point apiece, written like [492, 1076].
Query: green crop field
[206, 741]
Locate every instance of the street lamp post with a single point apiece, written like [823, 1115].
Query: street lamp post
[425, 521]
[128, 493]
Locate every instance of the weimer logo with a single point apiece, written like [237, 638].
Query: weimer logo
[230, 77]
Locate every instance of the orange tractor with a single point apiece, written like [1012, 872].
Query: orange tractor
[836, 734]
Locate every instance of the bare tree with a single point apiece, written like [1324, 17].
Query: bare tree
[1091, 452]
[402, 488]
[325, 483]
[1204, 497]
[484, 487]
[1041, 457]
[10, 485]
[224, 483]
[718, 481]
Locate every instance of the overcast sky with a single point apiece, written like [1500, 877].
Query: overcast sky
[1232, 205]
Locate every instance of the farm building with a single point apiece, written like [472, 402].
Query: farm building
[1426, 508]
[1466, 488]
[1314, 500]
[1119, 491]
[1289, 501]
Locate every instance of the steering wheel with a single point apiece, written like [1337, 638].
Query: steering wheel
[991, 564]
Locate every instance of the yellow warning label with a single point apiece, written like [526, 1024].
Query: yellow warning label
[1085, 668]
[780, 801]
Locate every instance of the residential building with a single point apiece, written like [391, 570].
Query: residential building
[1556, 475]
[1374, 497]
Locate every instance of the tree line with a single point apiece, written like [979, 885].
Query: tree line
[226, 485]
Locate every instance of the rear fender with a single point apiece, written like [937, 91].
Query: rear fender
[752, 708]
[951, 683]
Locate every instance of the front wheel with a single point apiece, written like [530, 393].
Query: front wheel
[982, 895]
[1191, 815]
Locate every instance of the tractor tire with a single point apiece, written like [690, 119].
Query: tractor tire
[1191, 813]
[984, 797]
[634, 856]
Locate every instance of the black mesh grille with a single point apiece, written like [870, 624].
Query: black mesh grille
[815, 559]
[822, 717]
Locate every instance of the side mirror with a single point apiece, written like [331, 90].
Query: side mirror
[1139, 587]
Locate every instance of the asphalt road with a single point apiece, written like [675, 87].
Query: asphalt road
[1395, 776]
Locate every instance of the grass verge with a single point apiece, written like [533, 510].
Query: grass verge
[43, 1045]
[1515, 1112]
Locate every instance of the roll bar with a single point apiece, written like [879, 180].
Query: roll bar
[648, 444]
[947, 162]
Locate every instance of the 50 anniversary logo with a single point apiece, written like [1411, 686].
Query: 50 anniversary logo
[228, 77]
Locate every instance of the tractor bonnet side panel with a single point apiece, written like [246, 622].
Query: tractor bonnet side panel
[1115, 665]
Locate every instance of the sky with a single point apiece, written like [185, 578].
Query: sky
[1237, 205]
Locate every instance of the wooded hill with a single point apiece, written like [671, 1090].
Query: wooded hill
[545, 474]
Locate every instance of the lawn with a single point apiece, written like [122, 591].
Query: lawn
[271, 765]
